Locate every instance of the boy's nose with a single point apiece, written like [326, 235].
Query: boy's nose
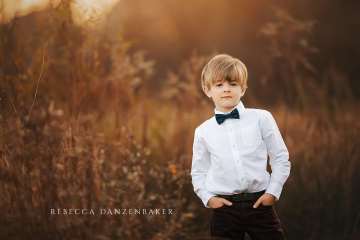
[226, 88]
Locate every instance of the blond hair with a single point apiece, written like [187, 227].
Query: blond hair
[223, 67]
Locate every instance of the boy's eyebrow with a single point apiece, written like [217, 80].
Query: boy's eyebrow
[221, 81]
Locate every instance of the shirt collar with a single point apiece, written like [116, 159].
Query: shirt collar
[240, 107]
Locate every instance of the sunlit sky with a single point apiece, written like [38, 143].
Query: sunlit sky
[83, 10]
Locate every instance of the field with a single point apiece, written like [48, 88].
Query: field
[91, 122]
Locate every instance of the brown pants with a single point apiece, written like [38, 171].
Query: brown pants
[231, 222]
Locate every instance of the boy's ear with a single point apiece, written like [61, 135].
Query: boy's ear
[207, 92]
[243, 92]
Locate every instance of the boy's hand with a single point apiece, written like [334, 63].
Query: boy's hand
[266, 200]
[217, 202]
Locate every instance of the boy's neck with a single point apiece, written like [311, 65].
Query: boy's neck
[225, 110]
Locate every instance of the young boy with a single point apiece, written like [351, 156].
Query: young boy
[230, 154]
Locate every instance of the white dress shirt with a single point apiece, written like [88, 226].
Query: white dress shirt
[232, 157]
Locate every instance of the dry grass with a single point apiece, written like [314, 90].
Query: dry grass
[96, 135]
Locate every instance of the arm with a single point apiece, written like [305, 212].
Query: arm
[200, 167]
[278, 153]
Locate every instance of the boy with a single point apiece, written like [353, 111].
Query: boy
[230, 158]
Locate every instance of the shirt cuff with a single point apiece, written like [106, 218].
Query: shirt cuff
[274, 189]
[205, 197]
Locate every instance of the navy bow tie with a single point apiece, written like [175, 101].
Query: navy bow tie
[220, 118]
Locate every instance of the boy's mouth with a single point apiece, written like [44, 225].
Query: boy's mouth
[226, 97]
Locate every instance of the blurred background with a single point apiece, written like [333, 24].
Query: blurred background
[99, 101]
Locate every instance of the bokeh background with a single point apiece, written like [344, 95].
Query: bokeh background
[99, 101]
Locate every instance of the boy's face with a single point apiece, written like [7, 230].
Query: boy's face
[225, 94]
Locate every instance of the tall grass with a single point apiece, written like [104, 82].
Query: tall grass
[81, 127]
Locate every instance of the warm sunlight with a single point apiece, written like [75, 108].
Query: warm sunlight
[90, 12]
[84, 11]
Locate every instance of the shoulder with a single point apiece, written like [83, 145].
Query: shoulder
[257, 113]
[205, 126]
[265, 119]
[261, 116]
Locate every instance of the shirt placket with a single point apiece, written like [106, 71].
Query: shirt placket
[239, 165]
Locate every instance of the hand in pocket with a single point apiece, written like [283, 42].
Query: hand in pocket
[218, 202]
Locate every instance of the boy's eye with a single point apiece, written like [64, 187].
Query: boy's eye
[233, 83]
[218, 84]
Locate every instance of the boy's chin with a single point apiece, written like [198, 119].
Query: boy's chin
[230, 105]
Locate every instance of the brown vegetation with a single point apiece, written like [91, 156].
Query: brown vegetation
[83, 127]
